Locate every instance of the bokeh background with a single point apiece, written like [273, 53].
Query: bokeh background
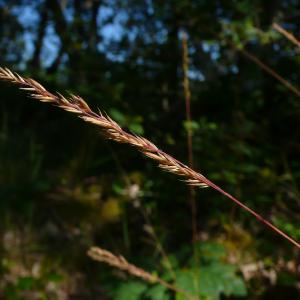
[63, 188]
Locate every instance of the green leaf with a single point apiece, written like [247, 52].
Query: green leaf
[211, 281]
[157, 292]
[186, 280]
[211, 252]
[238, 288]
[132, 290]
[218, 278]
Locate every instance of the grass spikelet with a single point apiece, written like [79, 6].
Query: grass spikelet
[121, 263]
[113, 131]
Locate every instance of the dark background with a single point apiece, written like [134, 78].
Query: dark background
[64, 188]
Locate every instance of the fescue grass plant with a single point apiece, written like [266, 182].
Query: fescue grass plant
[111, 130]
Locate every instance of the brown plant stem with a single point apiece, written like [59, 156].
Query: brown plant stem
[112, 130]
[287, 34]
[187, 98]
[270, 71]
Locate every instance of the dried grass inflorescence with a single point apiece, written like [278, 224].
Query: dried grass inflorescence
[109, 127]
[121, 263]
[112, 130]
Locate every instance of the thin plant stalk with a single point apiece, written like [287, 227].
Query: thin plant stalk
[111, 130]
[287, 34]
[187, 98]
[270, 71]
[150, 229]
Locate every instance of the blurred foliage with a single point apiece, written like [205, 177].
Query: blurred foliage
[63, 188]
[212, 278]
